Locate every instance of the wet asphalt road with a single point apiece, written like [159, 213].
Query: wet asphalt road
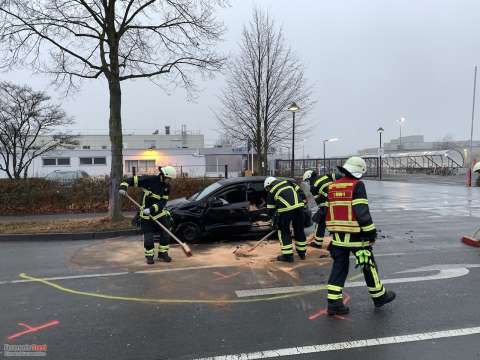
[421, 226]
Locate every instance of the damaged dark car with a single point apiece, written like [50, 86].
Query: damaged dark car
[225, 209]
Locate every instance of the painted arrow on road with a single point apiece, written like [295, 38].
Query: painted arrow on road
[445, 271]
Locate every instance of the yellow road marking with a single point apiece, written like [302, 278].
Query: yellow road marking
[172, 301]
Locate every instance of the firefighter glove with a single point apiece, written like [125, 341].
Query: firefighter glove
[363, 257]
[146, 211]
[122, 192]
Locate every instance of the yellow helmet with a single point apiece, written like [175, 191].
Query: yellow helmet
[356, 166]
[169, 172]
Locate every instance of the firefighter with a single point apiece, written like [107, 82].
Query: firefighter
[318, 188]
[285, 203]
[156, 190]
[352, 229]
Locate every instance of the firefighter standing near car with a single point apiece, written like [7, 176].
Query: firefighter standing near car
[285, 203]
[156, 190]
[318, 188]
[352, 229]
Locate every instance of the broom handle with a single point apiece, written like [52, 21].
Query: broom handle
[262, 240]
[156, 221]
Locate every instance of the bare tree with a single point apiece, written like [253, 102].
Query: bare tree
[28, 121]
[114, 39]
[262, 81]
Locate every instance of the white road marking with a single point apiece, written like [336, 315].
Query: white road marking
[445, 271]
[86, 276]
[347, 345]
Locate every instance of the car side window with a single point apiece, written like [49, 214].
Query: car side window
[257, 196]
[233, 195]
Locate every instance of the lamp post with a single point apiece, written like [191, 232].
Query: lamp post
[380, 131]
[293, 108]
[400, 122]
[324, 158]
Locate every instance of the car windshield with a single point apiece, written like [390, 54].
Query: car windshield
[207, 191]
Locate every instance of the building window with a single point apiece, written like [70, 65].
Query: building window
[56, 161]
[63, 161]
[100, 160]
[104, 147]
[141, 166]
[86, 147]
[93, 161]
[49, 161]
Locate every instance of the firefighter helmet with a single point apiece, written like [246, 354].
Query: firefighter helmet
[269, 181]
[307, 175]
[355, 166]
[476, 168]
[168, 171]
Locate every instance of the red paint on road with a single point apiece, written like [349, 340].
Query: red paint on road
[224, 277]
[32, 329]
[323, 312]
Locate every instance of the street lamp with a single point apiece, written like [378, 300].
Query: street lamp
[324, 159]
[380, 131]
[293, 108]
[400, 122]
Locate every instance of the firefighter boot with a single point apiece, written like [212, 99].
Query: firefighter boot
[285, 258]
[163, 256]
[302, 254]
[337, 308]
[150, 260]
[389, 296]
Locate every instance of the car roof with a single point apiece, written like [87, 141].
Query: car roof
[246, 179]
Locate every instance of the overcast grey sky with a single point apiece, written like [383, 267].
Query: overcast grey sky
[370, 61]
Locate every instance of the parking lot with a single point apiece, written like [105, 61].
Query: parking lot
[97, 299]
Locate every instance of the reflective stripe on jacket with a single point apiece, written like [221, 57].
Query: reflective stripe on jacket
[285, 196]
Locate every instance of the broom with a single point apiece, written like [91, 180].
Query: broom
[186, 249]
[237, 253]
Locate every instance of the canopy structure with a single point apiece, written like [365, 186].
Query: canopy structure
[440, 162]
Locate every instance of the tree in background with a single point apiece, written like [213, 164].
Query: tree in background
[116, 40]
[262, 81]
[27, 121]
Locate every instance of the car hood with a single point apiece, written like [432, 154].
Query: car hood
[178, 203]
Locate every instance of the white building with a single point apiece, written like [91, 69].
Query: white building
[181, 139]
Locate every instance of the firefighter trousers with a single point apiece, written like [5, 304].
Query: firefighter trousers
[320, 219]
[338, 275]
[296, 219]
[151, 230]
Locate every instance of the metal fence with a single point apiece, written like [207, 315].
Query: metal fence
[283, 167]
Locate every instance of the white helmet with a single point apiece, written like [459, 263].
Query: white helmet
[269, 181]
[169, 172]
[476, 168]
[355, 166]
[308, 174]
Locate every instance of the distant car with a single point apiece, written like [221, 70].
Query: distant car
[235, 206]
[66, 176]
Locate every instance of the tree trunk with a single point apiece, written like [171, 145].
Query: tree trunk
[116, 140]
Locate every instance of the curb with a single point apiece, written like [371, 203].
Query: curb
[69, 236]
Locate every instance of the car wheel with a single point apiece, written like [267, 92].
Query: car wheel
[189, 232]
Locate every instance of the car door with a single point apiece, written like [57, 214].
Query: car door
[257, 198]
[227, 211]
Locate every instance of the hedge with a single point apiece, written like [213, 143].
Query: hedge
[40, 196]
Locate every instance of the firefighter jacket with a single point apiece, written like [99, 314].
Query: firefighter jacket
[348, 215]
[155, 194]
[284, 196]
[319, 187]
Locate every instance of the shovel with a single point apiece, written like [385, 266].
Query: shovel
[186, 249]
